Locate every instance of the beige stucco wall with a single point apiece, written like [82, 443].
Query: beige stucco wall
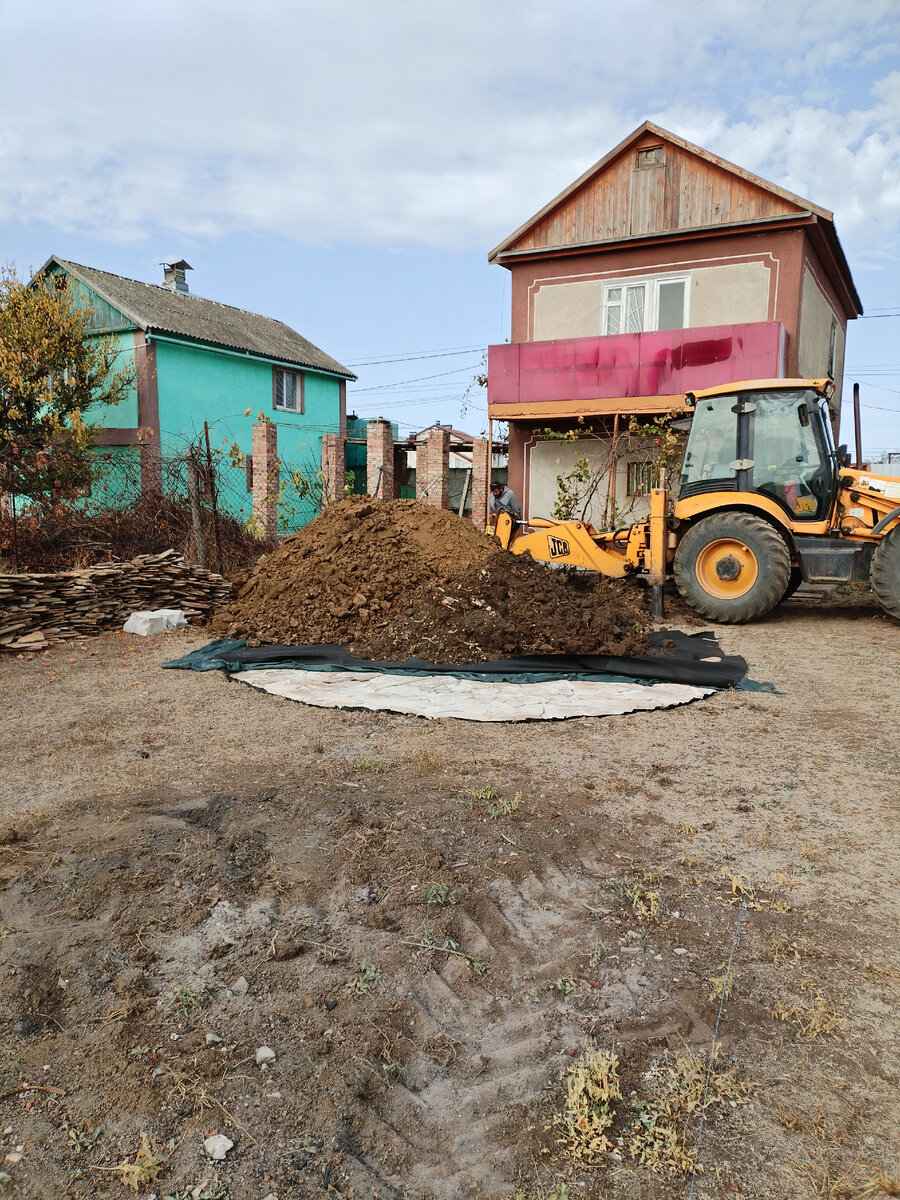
[729, 295]
[725, 295]
[549, 459]
[566, 310]
[814, 335]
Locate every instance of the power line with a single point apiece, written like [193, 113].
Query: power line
[383, 361]
[881, 388]
[401, 382]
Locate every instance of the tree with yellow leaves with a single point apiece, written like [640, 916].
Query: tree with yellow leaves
[52, 369]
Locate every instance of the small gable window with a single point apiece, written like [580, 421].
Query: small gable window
[287, 390]
[650, 156]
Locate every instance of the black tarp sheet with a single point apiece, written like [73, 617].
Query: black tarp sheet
[679, 658]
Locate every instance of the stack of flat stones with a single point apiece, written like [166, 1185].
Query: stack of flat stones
[73, 604]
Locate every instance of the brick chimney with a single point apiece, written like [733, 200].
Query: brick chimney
[175, 279]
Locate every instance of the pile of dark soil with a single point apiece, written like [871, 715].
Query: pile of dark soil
[399, 578]
[513, 605]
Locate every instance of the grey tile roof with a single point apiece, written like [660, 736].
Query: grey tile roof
[153, 307]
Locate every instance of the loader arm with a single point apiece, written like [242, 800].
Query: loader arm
[578, 544]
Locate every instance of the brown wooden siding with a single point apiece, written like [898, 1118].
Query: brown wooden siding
[624, 200]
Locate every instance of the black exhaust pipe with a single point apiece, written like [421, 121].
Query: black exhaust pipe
[857, 427]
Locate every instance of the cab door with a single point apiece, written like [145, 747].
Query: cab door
[790, 462]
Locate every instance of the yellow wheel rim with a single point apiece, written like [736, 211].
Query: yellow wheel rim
[727, 568]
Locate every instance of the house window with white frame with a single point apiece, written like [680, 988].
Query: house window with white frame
[643, 305]
[287, 390]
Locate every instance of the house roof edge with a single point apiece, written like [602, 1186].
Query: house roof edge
[659, 131]
[73, 269]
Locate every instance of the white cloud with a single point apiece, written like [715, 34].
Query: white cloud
[443, 124]
[846, 162]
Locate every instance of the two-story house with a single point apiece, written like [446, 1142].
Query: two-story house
[200, 365]
[662, 269]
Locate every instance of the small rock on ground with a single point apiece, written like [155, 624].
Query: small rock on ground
[217, 1146]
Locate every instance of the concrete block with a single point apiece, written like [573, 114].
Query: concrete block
[146, 624]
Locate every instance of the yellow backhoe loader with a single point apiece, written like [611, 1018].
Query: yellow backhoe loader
[765, 502]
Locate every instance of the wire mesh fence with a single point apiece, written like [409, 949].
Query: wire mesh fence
[196, 504]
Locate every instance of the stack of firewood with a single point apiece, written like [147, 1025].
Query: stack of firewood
[71, 604]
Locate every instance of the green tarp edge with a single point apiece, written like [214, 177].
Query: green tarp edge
[211, 658]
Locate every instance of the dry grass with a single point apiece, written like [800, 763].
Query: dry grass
[879, 1183]
[592, 1089]
[814, 1017]
[661, 1123]
[663, 1132]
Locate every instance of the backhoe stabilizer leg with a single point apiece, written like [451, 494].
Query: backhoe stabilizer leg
[657, 563]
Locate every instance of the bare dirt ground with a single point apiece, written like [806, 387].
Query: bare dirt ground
[441, 929]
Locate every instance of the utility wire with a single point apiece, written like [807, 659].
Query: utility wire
[418, 379]
[380, 362]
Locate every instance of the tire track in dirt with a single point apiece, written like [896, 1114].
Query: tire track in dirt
[504, 1042]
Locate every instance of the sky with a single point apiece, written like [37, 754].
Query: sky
[347, 165]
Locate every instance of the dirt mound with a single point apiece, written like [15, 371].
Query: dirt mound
[513, 605]
[398, 578]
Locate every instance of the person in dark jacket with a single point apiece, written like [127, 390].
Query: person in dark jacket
[503, 500]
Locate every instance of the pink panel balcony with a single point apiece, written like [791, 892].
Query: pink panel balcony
[635, 364]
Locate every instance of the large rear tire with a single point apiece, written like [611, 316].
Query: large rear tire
[885, 574]
[732, 567]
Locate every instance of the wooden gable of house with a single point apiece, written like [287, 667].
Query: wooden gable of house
[653, 183]
[104, 317]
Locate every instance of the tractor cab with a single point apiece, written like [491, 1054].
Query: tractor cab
[771, 437]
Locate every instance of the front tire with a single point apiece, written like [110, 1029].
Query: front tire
[732, 567]
[885, 574]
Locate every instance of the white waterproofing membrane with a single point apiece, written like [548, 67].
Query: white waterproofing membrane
[436, 696]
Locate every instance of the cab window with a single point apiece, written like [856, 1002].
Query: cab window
[712, 442]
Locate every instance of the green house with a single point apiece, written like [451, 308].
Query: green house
[204, 368]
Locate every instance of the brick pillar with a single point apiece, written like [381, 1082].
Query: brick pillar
[380, 459]
[481, 480]
[433, 468]
[334, 466]
[266, 469]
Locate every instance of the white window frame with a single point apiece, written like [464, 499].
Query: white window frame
[298, 406]
[650, 284]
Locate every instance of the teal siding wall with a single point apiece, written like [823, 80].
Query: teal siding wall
[197, 385]
[104, 317]
[109, 320]
[124, 415]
